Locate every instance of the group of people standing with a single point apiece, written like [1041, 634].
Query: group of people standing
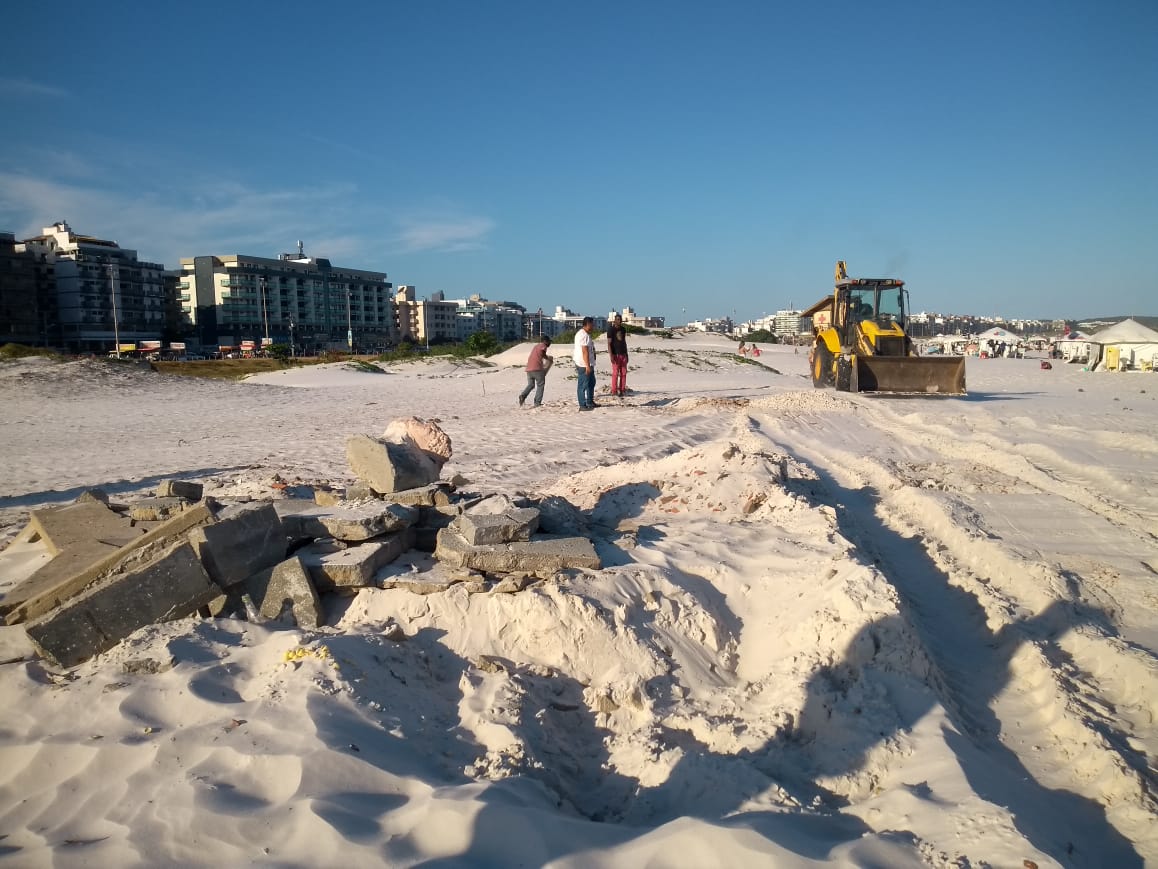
[583, 355]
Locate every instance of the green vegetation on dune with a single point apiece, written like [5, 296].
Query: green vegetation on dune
[22, 351]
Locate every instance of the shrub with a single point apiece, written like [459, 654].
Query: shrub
[761, 336]
[22, 351]
[482, 344]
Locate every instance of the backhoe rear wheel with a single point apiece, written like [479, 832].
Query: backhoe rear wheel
[821, 366]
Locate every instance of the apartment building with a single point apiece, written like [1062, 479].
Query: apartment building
[425, 321]
[630, 318]
[788, 323]
[103, 295]
[27, 300]
[295, 299]
[504, 320]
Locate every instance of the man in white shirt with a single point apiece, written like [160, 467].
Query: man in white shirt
[584, 359]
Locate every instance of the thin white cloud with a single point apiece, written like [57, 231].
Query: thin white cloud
[204, 218]
[443, 235]
[167, 214]
[22, 87]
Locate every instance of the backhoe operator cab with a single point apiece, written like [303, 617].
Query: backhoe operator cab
[876, 310]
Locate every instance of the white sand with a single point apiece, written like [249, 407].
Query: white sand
[831, 629]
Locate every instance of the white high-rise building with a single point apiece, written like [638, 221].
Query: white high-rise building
[295, 298]
[104, 294]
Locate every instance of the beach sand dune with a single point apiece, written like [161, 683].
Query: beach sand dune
[830, 629]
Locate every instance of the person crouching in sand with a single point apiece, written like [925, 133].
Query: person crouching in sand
[538, 364]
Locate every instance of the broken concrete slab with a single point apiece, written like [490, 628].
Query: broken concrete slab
[287, 586]
[435, 495]
[245, 538]
[81, 523]
[437, 578]
[389, 467]
[542, 555]
[156, 509]
[332, 567]
[69, 574]
[186, 489]
[352, 522]
[171, 586]
[481, 528]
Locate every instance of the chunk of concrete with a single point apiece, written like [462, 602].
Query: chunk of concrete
[481, 528]
[327, 498]
[514, 582]
[71, 572]
[541, 555]
[244, 539]
[288, 585]
[93, 495]
[438, 578]
[332, 567]
[359, 491]
[557, 515]
[435, 495]
[155, 509]
[353, 522]
[389, 467]
[493, 504]
[186, 489]
[425, 434]
[171, 586]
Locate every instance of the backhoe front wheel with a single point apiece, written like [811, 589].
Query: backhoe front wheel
[821, 365]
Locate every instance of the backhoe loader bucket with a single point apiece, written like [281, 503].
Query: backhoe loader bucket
[920, 375]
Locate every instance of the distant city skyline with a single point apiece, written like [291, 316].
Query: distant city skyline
[996, 157]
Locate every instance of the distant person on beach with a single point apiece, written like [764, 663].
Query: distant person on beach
[584, 358]
[538, 364]
[617, 350]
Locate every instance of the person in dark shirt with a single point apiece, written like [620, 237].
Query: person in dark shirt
[617, 351]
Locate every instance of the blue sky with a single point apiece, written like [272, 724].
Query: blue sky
[686, 159]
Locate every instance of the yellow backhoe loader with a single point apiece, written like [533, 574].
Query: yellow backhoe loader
[861, 344]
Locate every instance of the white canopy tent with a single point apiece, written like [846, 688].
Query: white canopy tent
[999, 342]
[1074, 346]
[1124, 345]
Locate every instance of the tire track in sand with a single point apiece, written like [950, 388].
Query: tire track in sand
[1009, 685]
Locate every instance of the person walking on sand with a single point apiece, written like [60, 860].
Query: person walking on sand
[538, 364]
[617, 350]
[584, 358]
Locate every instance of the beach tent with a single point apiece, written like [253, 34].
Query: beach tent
[999, 334]
[1074, 346]
[1124, 345]
[991, 339]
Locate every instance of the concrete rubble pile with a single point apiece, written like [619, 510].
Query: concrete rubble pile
[101, 571]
